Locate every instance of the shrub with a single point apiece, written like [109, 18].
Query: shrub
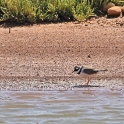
[33, 11]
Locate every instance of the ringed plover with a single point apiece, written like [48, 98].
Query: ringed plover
[87, 71]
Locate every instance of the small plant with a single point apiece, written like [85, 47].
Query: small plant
[64, 9]
[118, 2]
[18, 10]
[82, 11]
[97, 5]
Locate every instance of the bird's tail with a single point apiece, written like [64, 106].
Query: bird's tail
[103, 70]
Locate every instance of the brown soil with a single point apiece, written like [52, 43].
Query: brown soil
[48, 50]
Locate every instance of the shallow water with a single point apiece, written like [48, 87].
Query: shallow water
[91, 106]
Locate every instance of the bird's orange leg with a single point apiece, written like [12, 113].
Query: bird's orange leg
[89, 79]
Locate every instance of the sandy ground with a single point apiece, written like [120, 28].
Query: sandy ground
[50, 51]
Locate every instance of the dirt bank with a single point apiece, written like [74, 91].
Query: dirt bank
[51, 50]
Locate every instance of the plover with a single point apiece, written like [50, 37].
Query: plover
[87, 71]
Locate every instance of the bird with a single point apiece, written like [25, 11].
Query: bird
[87, 71]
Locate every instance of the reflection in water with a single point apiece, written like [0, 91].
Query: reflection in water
[58, 107]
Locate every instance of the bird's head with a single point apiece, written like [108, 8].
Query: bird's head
[76, 68]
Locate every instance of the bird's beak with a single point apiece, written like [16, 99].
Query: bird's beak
[72, 71]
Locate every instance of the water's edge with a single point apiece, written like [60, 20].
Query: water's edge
[58, 84]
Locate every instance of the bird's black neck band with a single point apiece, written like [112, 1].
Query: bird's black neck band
[79, 71]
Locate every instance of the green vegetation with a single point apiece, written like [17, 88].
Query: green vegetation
[33, 11]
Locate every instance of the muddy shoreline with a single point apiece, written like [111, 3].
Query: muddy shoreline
[52, 50]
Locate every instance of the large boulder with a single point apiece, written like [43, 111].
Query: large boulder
[106, 7]
[114, 11]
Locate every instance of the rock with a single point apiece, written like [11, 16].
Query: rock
[122, 9]
[114, 11]
[109, 5]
